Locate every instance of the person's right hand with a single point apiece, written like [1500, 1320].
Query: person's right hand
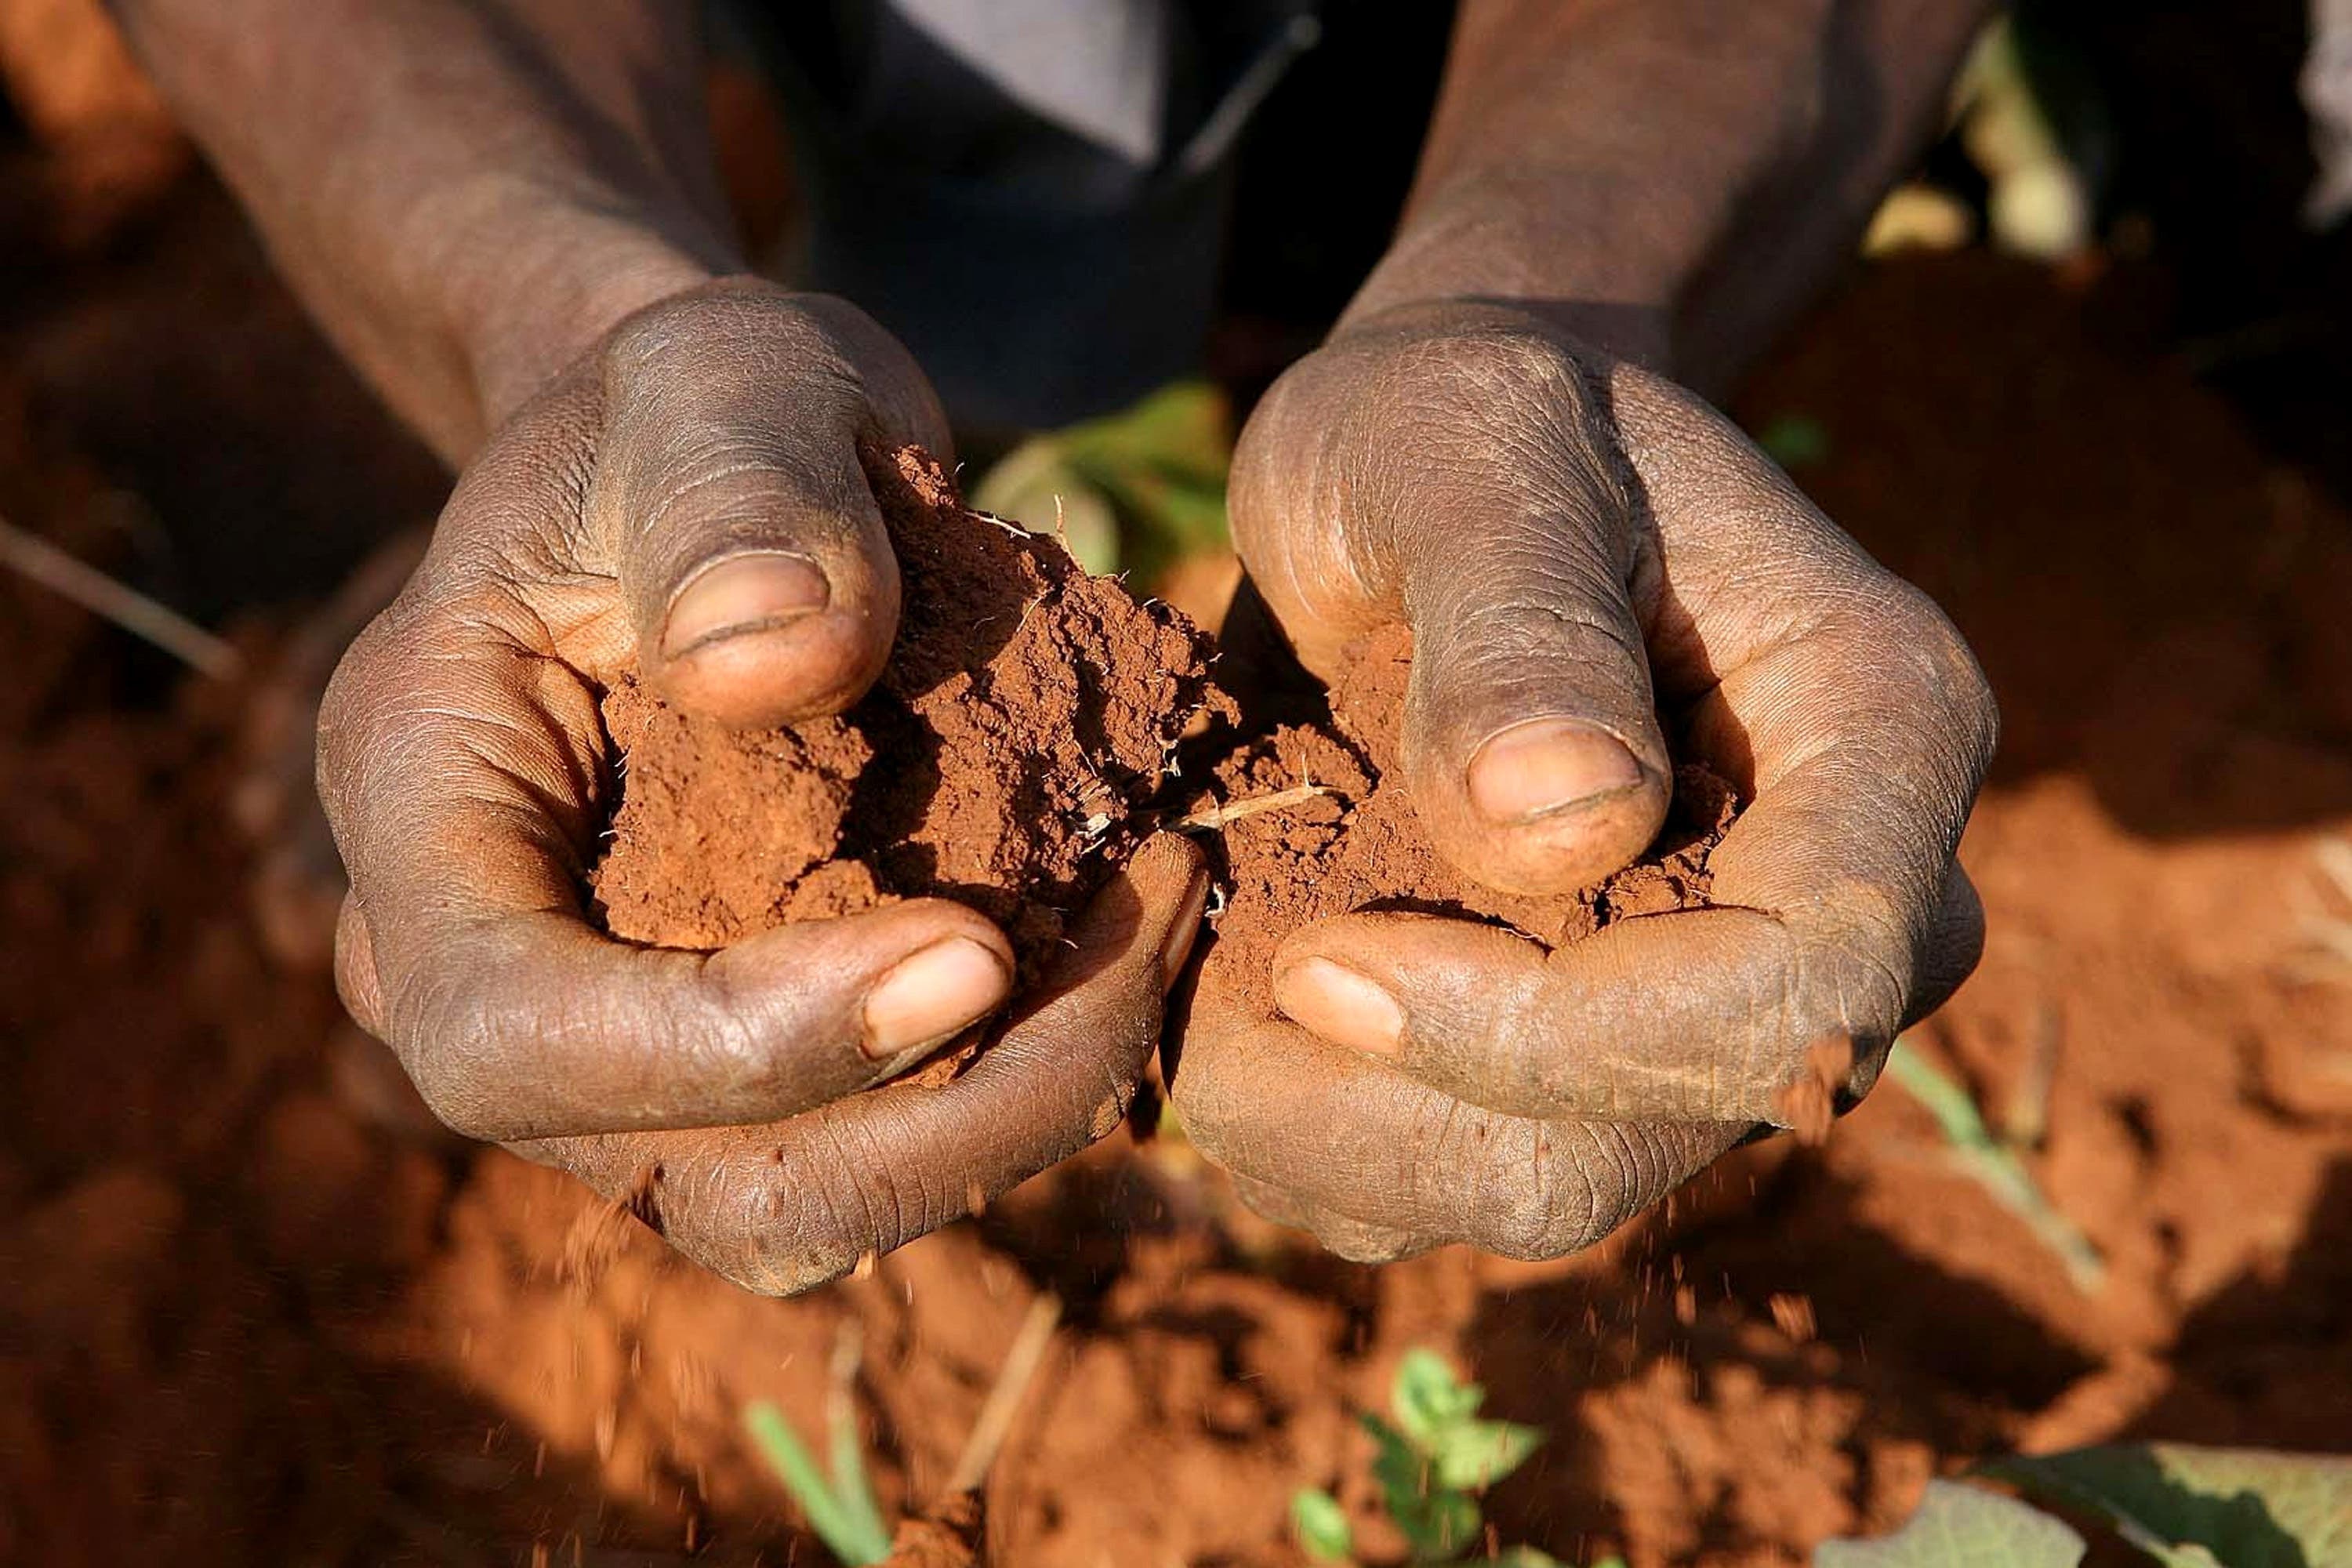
[686, 500]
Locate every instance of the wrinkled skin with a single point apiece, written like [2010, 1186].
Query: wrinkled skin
[1575, 539]
[466, 194]
[464, 772]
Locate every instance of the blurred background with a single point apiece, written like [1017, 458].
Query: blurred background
[2088, 381]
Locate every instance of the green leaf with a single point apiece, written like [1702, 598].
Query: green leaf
[1428, 1398]
[1322, 1526]
[1400, 1470]
[848, 1531]
[1439, 1527]
[1036, 485]
[1471, 1455]
[1961, 1527]
[1438, 1521]
[1530, 1557]
[2248, 1507]
[1138, 490]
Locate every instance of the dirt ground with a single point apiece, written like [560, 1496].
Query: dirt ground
[250, 1311]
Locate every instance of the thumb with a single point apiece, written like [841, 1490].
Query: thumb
[1531, 744]
[1456, 472]
[753, 561]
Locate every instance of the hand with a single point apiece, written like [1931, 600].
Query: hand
[1580, 547]
[687, 500]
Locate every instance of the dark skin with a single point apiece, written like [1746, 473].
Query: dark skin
[505, 213]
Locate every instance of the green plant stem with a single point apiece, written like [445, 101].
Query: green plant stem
[843, 1533]
[1994, 1165]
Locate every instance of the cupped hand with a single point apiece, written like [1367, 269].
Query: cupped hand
[1589, 558]
[686, 500]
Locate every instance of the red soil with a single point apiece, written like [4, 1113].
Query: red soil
[249, 1316]
[1359, 845]
[1028, 711]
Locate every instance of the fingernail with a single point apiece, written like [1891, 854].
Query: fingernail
[1545, 765]
[931, 994]
[741, 594]
[1184, 933]
[1341, 1005]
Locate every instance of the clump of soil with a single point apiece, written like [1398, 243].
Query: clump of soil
[954, 1534]
[1028, 710]
[1359, 845]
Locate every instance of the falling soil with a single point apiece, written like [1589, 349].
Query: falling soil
[1315, 820]
[1028, 710]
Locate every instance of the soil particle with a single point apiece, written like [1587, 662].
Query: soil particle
[1028, 711]
[1360, 845]
[954, 1534]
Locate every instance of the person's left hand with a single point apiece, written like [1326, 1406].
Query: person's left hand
[1579, 547]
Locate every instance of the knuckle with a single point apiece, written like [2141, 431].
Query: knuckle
[1943, 674]
[782, 1233]
[1531, 1194]
[1367, 1244]
[1592, 1178]
[1851, 987]
[441, 1061]
[1547, 1215]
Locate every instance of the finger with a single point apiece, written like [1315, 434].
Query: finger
[1708, 1014]
[781, 1208]
[1481, 499]
[356, 980]
[1348, 1238]
[460, 767]
[1955, 942]
[751, 553]
[1380, 1164]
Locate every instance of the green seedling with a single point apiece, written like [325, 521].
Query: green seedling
[838, 1499]
[1435, 1455]
[1993, 1163]
[2178, 1505]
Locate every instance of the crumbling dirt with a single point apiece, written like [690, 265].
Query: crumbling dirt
[1316, 820]
[953, 1534]
[248, 1312]
[1029, 710]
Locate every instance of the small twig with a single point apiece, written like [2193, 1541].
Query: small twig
[125, 606]
[997, 1411]
[1234, 811]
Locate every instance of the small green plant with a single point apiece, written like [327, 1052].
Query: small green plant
[1432, 1460]
[836, 1498]
[1992, 1162]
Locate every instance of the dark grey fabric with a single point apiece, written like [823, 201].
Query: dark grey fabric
[1032, 194]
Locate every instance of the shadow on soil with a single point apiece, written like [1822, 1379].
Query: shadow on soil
[2267, 1361]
